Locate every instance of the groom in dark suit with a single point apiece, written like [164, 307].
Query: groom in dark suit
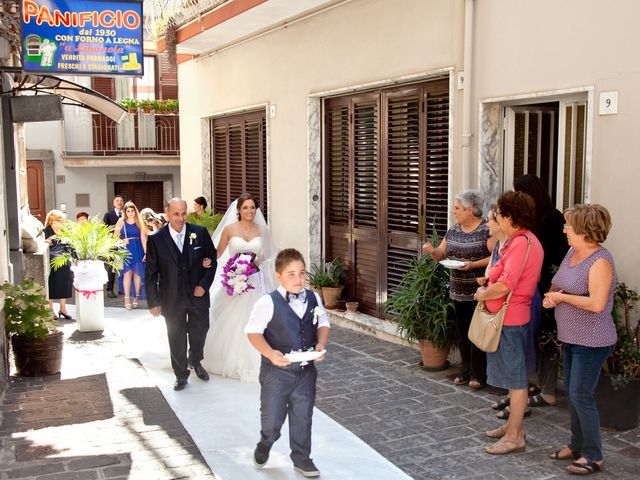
[178, 285]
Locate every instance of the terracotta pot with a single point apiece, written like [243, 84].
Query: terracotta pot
[331, 295]
[319, 292]
[433, 359]
[352, 307]
[35, 358]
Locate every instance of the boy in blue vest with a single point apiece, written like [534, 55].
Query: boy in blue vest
[290, 318]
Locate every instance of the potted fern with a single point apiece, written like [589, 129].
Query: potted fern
[423, 310]
[92, 245]
[36, 341]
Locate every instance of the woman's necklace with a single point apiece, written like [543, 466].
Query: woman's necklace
[470, 227]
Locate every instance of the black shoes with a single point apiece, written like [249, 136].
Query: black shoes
[260, 456]
[180, 384]
[111, 294]
[201, 373]
[65, 316]
[307, 469]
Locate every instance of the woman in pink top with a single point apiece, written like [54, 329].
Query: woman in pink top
[518, 270]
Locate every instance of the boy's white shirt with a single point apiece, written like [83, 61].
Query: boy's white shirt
[263, 312]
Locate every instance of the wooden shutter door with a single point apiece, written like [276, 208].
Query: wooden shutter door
[167, 78]
[436, 202]
[386, 179]
[403, 144]
[353, 151]
[365, 210]
[337, 184]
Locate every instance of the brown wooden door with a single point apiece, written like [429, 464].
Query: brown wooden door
[143, 194]
[386, 183]
[35, 189]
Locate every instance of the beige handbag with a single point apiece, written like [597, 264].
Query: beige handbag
[486, 327]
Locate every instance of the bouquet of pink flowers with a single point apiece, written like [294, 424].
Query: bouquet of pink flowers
[236, 273]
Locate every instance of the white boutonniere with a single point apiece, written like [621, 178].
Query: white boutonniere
[316, 314]
[192, 237]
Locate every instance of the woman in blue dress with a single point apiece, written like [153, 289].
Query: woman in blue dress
[134, 234]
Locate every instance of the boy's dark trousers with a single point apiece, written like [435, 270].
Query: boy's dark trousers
[288, 391]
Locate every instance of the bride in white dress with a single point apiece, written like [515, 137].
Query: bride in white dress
[227, 350]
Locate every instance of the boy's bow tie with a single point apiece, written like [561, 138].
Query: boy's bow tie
[302, 296]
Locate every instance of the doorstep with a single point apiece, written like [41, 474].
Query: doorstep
[376, 327]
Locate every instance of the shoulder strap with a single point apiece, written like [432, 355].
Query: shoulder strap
[526, 257]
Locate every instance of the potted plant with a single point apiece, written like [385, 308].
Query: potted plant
[171, 105]
[618, 389]
[130, 104]
[335, 274]
[146, 105]
[92, 244]
[318, 278]
[423, 310]
[35, 339]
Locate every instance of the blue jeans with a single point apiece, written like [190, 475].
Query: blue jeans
[582, 367]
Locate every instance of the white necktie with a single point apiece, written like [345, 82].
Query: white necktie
[179, 242]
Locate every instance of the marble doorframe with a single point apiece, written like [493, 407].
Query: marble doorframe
[491, 136]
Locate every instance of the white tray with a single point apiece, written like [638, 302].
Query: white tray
[452, 264]
[304, 356]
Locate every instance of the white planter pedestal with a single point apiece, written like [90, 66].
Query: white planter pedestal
[90, 312]
[89, 278]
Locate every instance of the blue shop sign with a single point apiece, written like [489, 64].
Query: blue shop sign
[82, 37]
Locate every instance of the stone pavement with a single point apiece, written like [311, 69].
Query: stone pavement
[433, 429]
[102, 418]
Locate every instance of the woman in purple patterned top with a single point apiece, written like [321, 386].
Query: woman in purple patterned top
[582, 293]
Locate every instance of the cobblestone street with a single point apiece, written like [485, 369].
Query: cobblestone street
[432, 429]
[103, 418]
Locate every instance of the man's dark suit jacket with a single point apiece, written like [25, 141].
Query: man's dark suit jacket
[110, 218]
[162, 272]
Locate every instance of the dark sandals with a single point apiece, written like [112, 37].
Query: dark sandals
[572, 455]
[586, 468]
[501, 404]
[461, 379]
[539, 401]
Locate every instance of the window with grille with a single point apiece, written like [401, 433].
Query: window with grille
[386, 182]
[239, 159]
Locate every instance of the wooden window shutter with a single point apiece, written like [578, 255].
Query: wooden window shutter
[437, 160]
[365, 164]
[104, 85]
[337, 127]
[167, 78]
[403, 163]
[239, 159]
[219, 160]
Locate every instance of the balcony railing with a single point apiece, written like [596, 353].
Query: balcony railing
[181, 12]
[137, 134]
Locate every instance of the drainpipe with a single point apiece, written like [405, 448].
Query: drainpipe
[467, 166]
